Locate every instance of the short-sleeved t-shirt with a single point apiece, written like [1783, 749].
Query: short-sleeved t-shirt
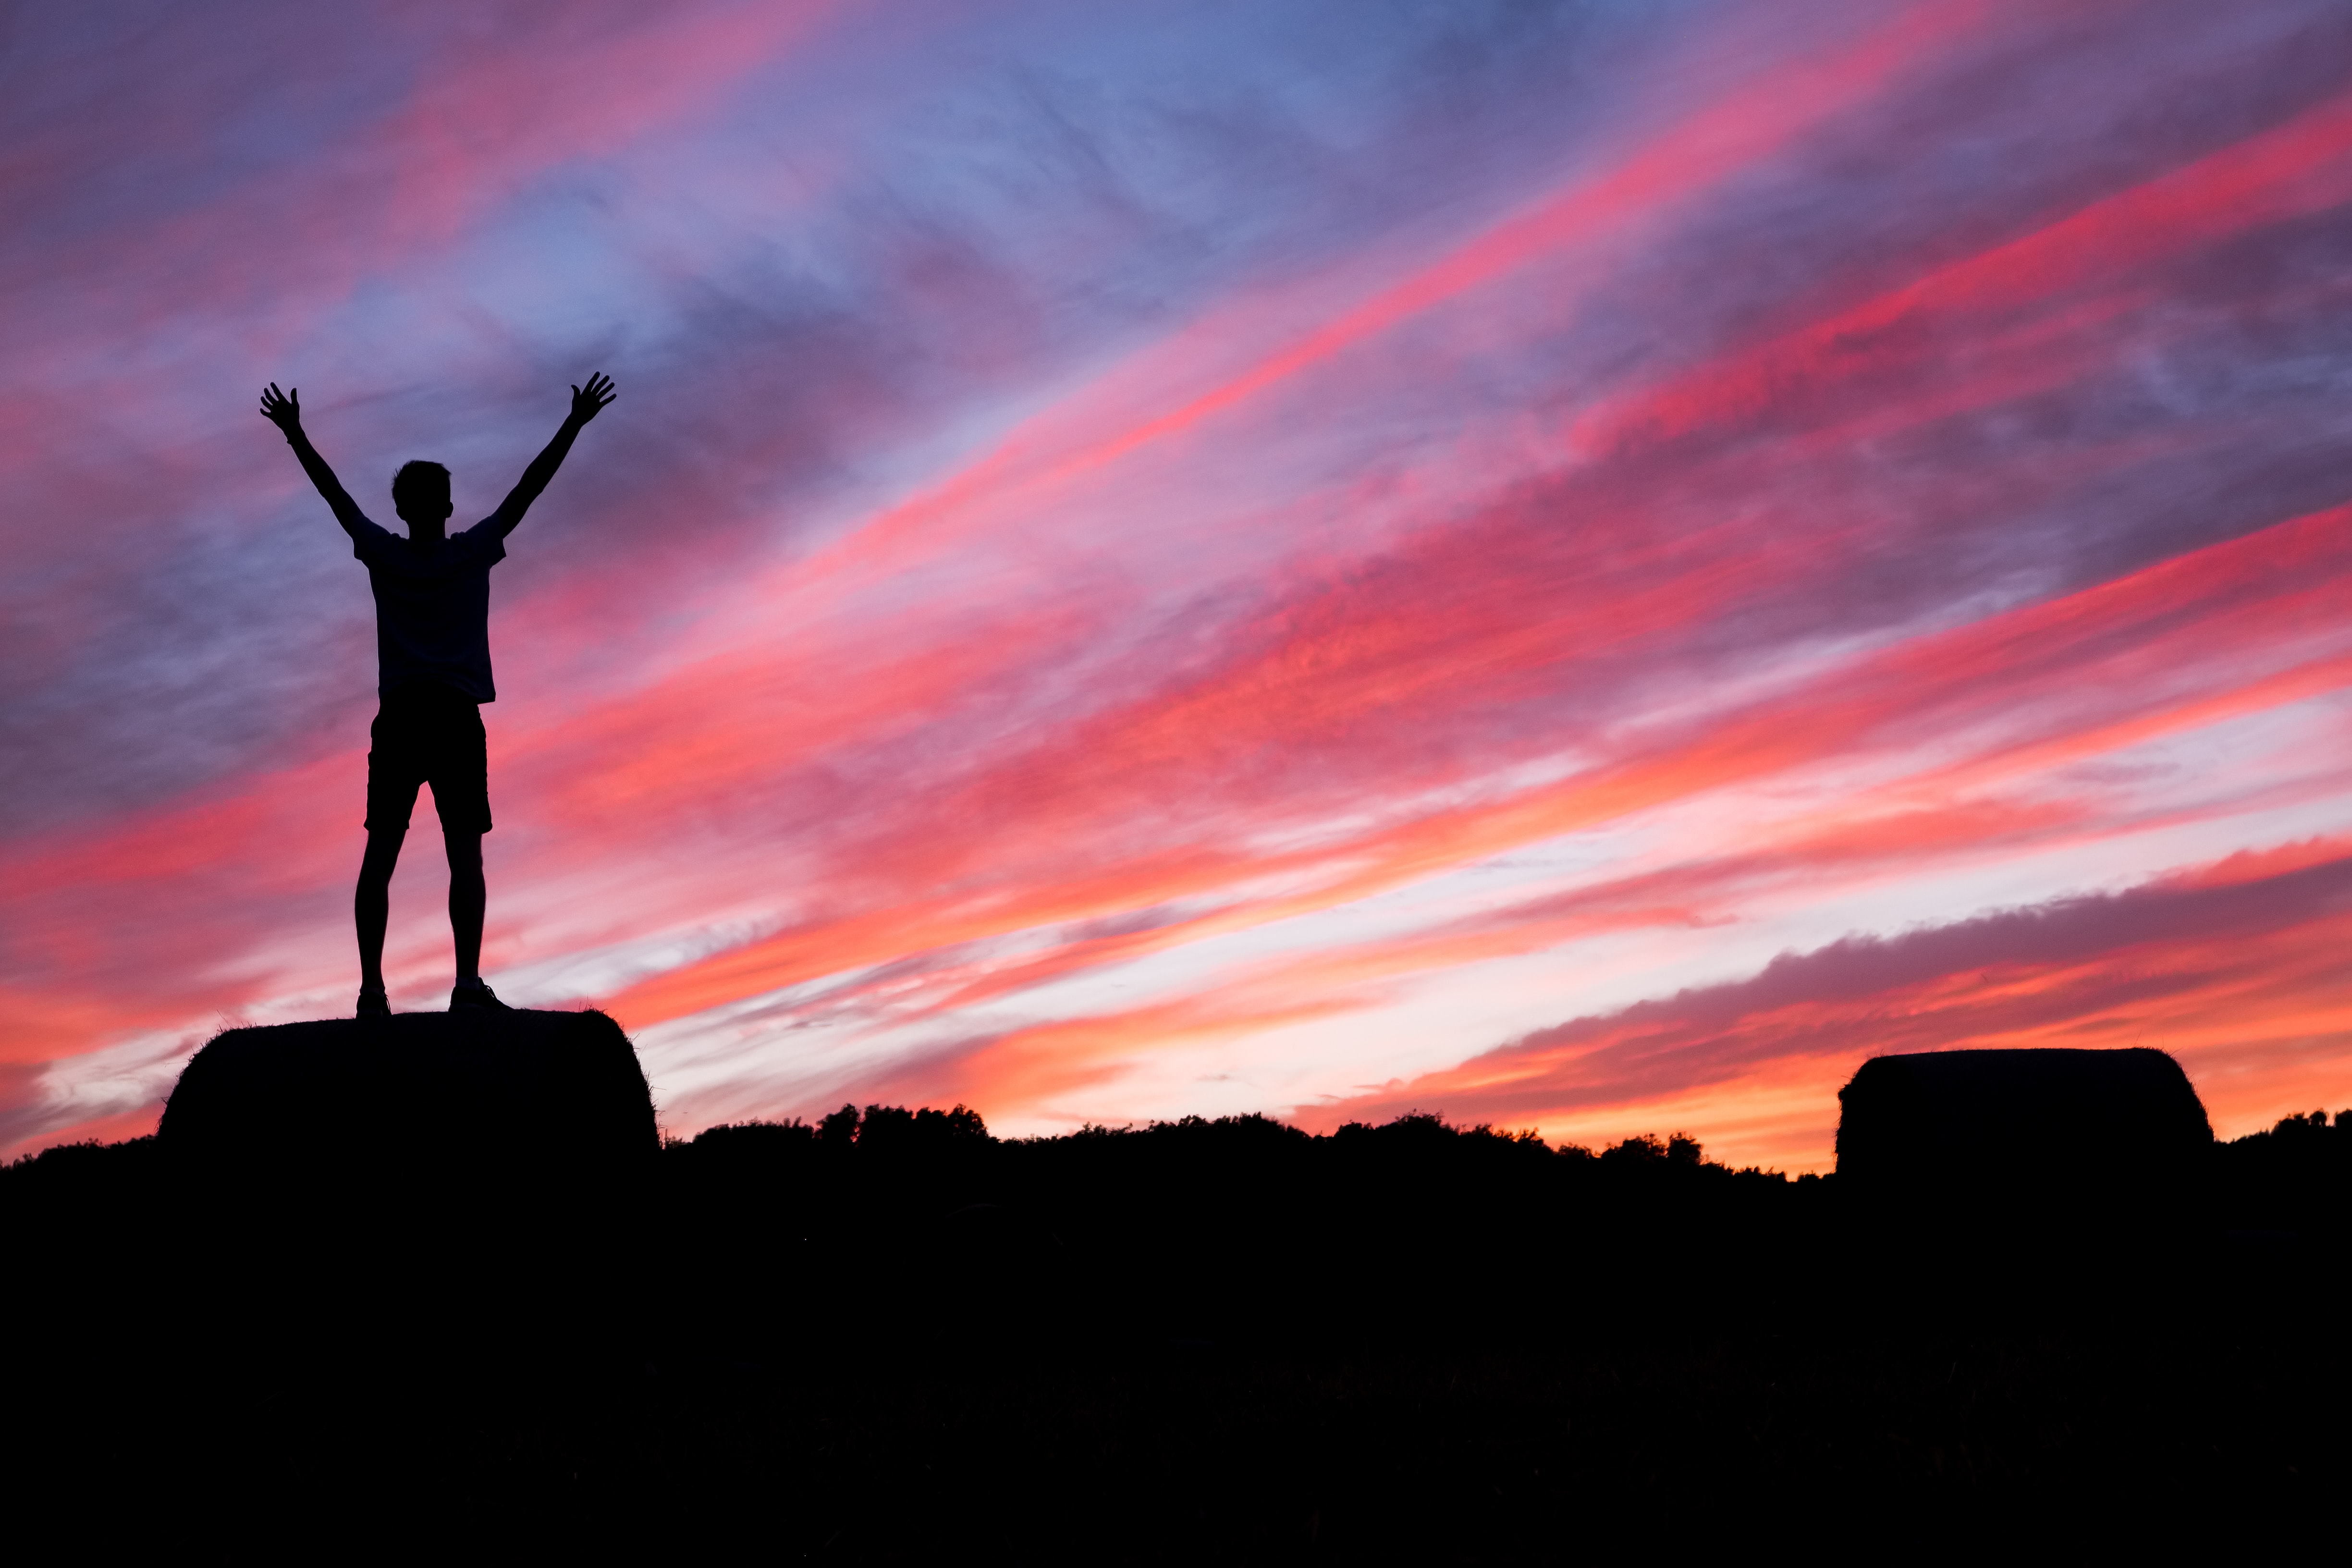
[433, 606]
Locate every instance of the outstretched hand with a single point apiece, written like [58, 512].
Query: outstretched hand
[588, 401]
[282, 409]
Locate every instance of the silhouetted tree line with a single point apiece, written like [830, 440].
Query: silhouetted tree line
[2296, 1171]
[895, 1127]
[1245, 1229]
[2294, 1176]
[2293, 1180]
[885, 1224]
[891, 1323]
[921, 1227]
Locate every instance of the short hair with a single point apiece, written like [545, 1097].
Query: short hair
[420, 484]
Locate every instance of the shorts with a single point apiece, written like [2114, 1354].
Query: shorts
[428, 734]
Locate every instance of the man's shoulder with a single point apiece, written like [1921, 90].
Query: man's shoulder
[484, 544]
[370, 541]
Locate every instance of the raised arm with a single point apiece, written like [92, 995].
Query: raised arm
[587, 402]
[284, 411]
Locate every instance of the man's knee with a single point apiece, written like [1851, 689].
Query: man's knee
[464, 850]
[382, 854]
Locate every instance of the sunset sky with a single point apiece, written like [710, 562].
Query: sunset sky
[1580, 566]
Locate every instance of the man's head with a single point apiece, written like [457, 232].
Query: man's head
[420, 494]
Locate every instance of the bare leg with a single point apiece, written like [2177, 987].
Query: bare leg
[466, 897]
[372, 905]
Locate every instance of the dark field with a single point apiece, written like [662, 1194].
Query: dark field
[895, 1337]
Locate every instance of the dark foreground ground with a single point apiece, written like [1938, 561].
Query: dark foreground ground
[1201, 1342]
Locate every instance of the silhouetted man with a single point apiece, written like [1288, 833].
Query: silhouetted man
[433, 668]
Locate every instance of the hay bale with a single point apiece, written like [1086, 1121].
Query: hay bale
[403, 1183]
[559, 1093]
[2022, 1126]
[447, 1149]
[429, 1225]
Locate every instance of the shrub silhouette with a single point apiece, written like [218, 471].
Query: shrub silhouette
[894, 1128]
[2292, 1181]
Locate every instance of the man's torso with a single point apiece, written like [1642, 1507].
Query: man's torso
[433, 607]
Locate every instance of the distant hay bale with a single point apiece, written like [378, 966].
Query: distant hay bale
[2021, 1125]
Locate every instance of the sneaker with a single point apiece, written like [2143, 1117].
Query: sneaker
[374, 1003]
[475, 996]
